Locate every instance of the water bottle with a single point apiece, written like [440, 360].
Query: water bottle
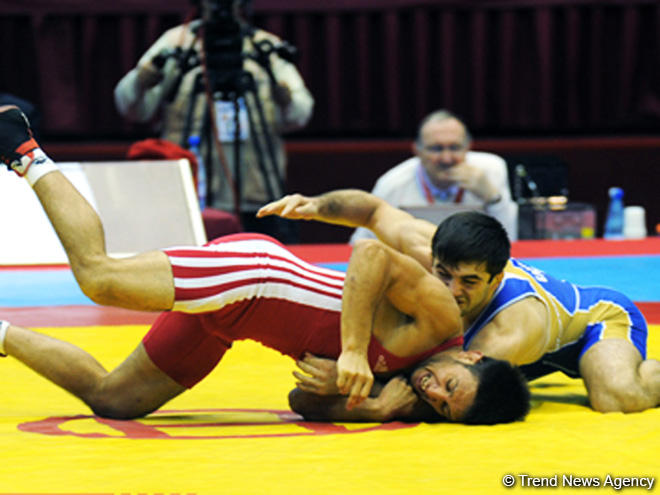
[614, 220]
[194, 146]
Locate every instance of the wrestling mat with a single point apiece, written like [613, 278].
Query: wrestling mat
[234, 434]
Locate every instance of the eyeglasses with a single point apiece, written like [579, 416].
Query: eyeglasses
[439, 148]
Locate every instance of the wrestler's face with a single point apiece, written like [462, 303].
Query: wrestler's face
[442, 144]
[447, 384]
[470, 284]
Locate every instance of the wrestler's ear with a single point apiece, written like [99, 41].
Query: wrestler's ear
[469, 357]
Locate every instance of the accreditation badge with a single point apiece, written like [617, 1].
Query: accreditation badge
[225, 117]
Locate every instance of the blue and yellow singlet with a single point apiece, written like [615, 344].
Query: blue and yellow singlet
[578, 317]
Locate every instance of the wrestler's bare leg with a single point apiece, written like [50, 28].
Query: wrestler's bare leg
[135, 388]
[618, 379]
[142, 282]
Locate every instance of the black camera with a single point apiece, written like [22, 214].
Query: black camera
[224, 33]
[223, 43]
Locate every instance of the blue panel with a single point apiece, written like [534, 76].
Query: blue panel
[20, 288]
[638, 277]
[340, 267]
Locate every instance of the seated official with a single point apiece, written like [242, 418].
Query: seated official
[444, 172]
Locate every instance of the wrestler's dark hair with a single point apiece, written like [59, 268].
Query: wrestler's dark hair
[502, 394]
[469, 237]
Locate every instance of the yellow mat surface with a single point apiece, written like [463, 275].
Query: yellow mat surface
[232, 434]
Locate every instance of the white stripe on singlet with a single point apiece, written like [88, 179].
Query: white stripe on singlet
[269, 272]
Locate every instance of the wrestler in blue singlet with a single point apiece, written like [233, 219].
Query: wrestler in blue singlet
[578, 317]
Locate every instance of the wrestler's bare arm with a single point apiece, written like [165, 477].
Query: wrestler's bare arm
[367, 278]
[518, 334]
[317, 398]
[434, 314]
[356, 208]
[393, 400]
[392, 297]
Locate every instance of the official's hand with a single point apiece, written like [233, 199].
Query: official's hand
[472, 179]
[319, 377]
[293, 206]
[354, 377]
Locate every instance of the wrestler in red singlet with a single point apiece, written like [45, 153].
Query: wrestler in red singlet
[249, 286]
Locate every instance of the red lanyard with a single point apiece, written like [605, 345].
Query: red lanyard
[429, 195]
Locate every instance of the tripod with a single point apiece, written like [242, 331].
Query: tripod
[232, 98]
[252, 171]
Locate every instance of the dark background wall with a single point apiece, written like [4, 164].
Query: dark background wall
[574, 80]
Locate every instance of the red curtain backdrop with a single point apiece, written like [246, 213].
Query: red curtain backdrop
[375, 67]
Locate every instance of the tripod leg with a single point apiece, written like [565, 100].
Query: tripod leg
[262, 159]
[198, 86]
